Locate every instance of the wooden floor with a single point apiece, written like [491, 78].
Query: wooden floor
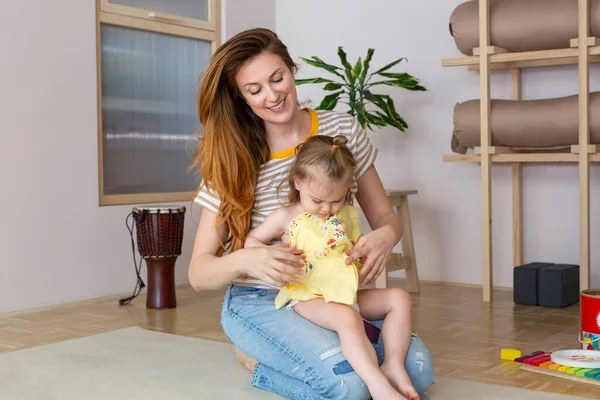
[463, 334]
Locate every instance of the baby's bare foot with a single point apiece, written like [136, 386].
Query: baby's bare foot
[246, 360]
[384, 392]
[398, 377]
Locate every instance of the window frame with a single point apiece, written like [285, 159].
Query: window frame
[134, 18]
[107, 7]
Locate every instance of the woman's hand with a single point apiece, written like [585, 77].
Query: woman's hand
[373, 250]
[277, 265]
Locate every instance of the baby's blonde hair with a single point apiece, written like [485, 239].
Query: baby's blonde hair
[329, 154]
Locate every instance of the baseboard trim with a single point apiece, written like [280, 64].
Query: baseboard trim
[448, 283]
[80, 302]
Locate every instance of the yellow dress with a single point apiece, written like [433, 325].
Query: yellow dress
[325, 242]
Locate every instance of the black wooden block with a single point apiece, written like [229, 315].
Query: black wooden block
[558, 285]
[525, 283]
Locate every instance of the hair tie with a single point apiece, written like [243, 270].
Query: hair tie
[335, 146]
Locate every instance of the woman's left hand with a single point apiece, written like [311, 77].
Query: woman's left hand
[373, 250]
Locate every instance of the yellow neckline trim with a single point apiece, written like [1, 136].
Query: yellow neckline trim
[313, 131]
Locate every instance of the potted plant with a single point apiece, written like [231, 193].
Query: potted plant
[353, 86]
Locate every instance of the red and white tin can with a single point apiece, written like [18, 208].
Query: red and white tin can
[590, 319]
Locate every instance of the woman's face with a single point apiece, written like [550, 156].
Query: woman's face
[267, 85]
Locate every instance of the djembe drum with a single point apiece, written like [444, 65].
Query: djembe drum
[159, 239]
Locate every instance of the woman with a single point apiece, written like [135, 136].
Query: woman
[252, 124]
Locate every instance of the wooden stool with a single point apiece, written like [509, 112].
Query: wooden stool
[406, 260]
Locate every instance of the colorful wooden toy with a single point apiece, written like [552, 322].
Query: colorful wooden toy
[541, 362]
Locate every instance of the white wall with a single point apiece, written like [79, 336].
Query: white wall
[244, 14]
[56, 243]
[446, 214]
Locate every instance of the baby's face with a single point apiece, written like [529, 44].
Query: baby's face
[321, 197]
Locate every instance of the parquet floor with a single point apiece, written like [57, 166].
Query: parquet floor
[463, 334]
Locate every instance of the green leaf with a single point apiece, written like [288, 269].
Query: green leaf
[404, 80]
[377, 99]
[317, 62]
[397, 123]
[347, 66]
[323, 62]
[375, 119]
[392, 111]
[333, 86]
[357, 108]
[397, 75]
[389, 115]
[356, 71]
[343, 58]
[398, 83]
[312, 80]
[366, 65]
[330, 101]
[390, 65]
[401, 84]
[362, 120]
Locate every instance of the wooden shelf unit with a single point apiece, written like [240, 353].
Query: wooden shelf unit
[527, 59]
[490, 58]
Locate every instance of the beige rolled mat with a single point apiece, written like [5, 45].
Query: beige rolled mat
[522, 25]
[546, 124]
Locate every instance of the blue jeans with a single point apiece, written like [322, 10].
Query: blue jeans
[298, 359]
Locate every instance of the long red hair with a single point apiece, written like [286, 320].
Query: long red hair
[232, 145]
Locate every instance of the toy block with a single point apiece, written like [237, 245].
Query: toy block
[530, 355]
[558, 285]
[536, 363]
[525, 283]
[509, 354]
[584, 371]
[593, 373]
[537, 359]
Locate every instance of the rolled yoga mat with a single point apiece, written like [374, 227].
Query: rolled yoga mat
[522, 25]
[546, 124]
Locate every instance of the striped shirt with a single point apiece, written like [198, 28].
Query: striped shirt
[272, 188]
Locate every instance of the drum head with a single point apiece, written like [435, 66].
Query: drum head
[158, 209]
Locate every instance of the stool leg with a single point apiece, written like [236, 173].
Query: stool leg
[408, 249]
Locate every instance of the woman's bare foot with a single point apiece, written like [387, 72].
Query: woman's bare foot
[398, 377]
[246, 360]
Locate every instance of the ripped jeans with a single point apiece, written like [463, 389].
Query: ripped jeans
[298, 359]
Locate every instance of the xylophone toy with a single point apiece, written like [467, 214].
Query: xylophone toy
[585, 367]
